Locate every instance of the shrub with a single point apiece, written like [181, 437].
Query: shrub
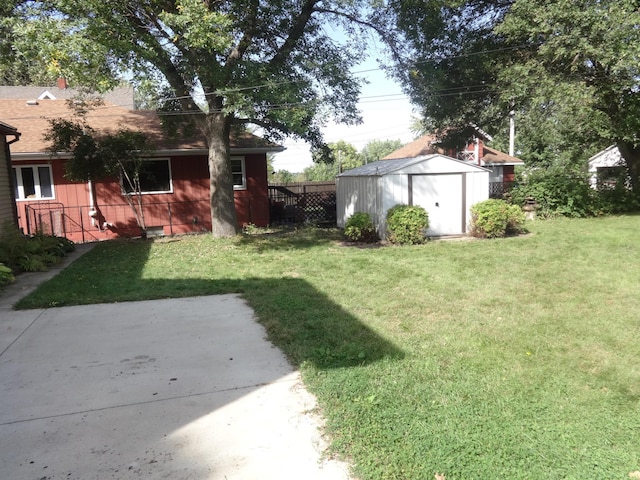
[558, 192]
[496, 218]
[6, 275]
[406, 225]
[359, 228]
[21, 253]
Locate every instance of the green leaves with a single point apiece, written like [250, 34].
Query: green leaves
[407, 224]
[197, 27]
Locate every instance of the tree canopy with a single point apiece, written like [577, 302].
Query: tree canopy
[569, 70]
[281, 65]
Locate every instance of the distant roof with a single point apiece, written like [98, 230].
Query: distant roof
[491, 156]
[121, 96]
[425, 145]
[428, 144]
[32, 120]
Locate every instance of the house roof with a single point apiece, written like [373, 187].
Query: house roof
[425, 145]
[32, 120]
[428, 144]
[491, 156]
[122, 96]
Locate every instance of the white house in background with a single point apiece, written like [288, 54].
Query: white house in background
[445, 187]
[605, 167]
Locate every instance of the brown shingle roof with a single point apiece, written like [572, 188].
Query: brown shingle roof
[32, 121]
[491, 156]
[425, 145]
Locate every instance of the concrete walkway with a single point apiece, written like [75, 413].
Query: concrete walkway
[174, 389]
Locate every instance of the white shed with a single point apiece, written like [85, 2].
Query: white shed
[444, 186]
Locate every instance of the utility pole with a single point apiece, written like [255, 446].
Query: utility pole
[512, 133]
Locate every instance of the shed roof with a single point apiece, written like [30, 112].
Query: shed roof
[386, 167]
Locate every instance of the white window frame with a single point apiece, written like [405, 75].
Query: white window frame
[154, 192]
[243, 185]
[36, 180]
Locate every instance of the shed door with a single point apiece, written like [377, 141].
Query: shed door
[442, 198]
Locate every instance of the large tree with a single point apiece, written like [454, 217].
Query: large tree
[569, 70]
[276, 64]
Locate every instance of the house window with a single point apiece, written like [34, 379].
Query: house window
[33, 182]
[239, 173]
[155, 177]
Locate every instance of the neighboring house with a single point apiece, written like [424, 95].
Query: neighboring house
[500, 165]
[606, 167]
[176, 185]
[121, 96]
[8, 214]
[444, 186]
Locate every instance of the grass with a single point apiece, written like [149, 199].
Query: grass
[515, 358]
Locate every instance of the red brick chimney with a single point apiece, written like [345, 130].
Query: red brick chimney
[62, 83]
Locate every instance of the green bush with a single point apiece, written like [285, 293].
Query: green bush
[407, 225]
[6, 275]
[21, 253]
[496, 218]
[359, 228]
[557, 191]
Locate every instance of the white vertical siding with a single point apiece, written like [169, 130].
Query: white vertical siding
[355, 194]
[376, 194]
[477, 191]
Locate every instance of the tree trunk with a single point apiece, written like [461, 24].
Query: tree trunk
[631, 155]
[224, 222]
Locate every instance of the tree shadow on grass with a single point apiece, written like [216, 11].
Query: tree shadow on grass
[136, 382]
[303, 322]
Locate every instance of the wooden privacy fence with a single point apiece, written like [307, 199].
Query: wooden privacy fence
[311, 202]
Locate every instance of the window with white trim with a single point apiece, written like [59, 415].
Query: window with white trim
[239, 173]
[33, 182]
[155, 177]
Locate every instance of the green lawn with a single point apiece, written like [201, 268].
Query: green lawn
[495, 359]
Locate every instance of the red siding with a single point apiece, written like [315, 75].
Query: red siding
[508, 173]
[184, 210]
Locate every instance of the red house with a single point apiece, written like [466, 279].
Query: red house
[500, 165]
[175, 186]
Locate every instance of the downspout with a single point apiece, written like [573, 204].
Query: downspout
[93, 211]
[16, 137]
[476, 150]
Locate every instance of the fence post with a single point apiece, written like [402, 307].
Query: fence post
[82, 224]
[28, 216]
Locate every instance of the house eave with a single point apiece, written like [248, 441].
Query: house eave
[159, 153]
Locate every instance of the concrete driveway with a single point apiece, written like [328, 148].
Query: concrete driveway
[177, 389]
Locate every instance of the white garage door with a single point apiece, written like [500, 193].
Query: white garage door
[441, 197]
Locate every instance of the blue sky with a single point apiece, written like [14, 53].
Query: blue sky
[386, 114]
